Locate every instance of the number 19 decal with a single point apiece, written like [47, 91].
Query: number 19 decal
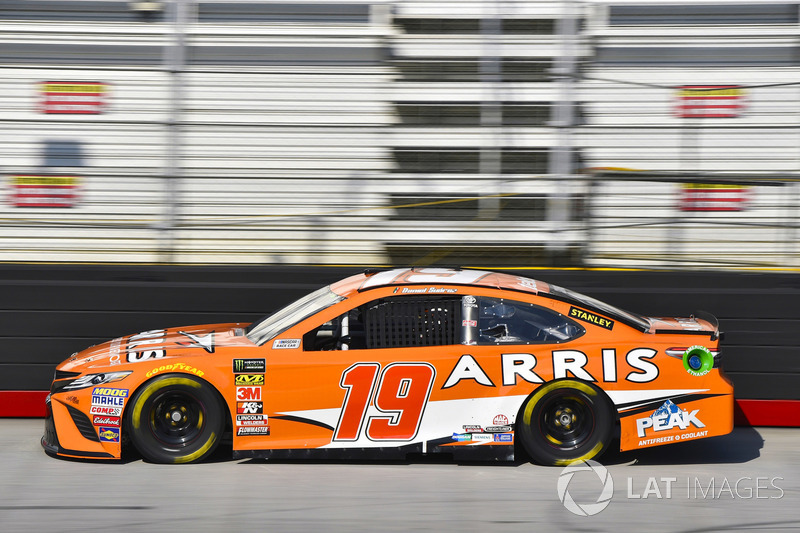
[400, 398]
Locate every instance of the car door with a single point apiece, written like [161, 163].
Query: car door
[361, 375]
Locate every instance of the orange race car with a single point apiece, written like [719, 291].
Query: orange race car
[473, 363]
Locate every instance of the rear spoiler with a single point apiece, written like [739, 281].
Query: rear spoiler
[708, 317]
[711, 319]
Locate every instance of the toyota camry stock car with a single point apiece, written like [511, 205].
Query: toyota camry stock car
[382, 364]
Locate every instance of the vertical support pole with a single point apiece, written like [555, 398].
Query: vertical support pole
[559, 205]
[174, 61]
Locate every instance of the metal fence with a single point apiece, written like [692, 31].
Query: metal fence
[367, 132]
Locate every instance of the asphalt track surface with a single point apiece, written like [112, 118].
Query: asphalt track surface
[755, 474]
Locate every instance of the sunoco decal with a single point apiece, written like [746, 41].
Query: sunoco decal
[108, 434]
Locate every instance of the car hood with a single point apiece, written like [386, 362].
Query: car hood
[159, 344]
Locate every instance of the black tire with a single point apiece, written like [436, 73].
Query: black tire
[175, 418]
[565, 421]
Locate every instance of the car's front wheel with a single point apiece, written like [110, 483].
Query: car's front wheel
[565, 421]
[175, 418]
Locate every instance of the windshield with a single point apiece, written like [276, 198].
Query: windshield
[631, 319]
[279, 321]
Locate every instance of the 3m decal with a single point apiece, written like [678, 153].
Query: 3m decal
[286, 344]
[591, 318]
[252, 408]
[205, 342]
[467, 368]
[249, 379]
[108, 434]
[252, 430]
[400, 397]
[248, 393]
[668, 416]
[249, 366]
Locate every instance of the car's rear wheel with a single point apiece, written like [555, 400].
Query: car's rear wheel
[565, 421]
[175, 418]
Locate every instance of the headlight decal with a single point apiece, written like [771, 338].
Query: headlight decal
[90, 380]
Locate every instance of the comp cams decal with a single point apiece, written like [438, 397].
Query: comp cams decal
[108, 411]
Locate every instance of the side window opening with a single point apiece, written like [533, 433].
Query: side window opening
[345, 332]
[395, 322]
[412, 321]
[500, 321]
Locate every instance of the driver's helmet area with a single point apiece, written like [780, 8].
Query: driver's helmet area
[502, 321]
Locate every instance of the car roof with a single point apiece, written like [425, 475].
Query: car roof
[434, 277]
[439, 276]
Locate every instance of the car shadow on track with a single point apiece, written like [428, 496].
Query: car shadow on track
[740, 446]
